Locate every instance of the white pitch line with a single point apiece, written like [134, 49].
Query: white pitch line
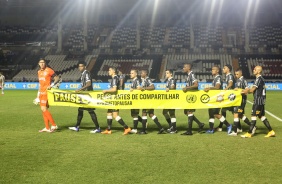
[279, 119]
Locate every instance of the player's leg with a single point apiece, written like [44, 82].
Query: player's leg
[255, 111]
[173, 120]
[211, 120]
[46, 114]
[167, 117]
[156, 120]
[224, 121]
[144, 121]
[95, 121]
[134, 115]
[78, 119]
[223, 113]
[190, 121]
[265, 121]
[109, 122]
[120, 121]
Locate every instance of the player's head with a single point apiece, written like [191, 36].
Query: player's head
[42, 63]
[227, 69]
[187, 67]
[215, 70]
[133, 73]
[112, 71]
[144, 73]
[81, 66]
[238, 73]
[257, 70]
[168, 73]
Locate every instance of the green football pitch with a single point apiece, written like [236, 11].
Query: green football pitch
[28, 156]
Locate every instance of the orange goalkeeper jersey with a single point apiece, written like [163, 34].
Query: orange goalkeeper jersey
[45, 77]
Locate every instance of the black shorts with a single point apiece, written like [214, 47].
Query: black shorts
[148, 111]
[112, 110]
[134, 112]
[258, 110]
[189, 110]
[224, 109]
[240, 109]
[213, 112]
[170, 111]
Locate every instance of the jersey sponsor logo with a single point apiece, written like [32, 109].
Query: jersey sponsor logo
[205, 98]
[191, 98]
[82, 98]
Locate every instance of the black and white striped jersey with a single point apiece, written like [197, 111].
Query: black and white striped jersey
[217, 80]
[146, 82]
[242, 84]
[260, 92]
[114, 82]
[230, 77]
[135, 83]
[190, 79]
[85, 77]
[171, 83]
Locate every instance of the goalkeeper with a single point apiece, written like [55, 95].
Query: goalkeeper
[45, 76]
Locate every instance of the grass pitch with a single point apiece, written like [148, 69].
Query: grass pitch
[80, 157]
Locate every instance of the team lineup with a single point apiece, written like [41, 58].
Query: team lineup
[46, 75]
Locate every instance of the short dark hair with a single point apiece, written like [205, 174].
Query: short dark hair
[190, 64]
[229, 67]
[146, 71]
[114, 69]
[169, 70]
[42, 60]
[134, 70]
[81, 63]
[238, 70]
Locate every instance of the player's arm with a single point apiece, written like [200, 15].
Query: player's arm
[252, 89]
[151, 87]
[216, 87]
[172, 86]
[55, 79]
[111, 90]
[193, 87]
[88, 83]
[121, 82]
[230, 83]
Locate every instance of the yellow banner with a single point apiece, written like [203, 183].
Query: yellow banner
[157, 99]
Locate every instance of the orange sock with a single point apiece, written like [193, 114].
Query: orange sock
[45, 118]
[50, 118]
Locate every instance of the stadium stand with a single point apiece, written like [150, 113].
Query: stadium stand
[113, 46]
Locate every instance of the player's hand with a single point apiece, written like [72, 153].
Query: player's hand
[206, 89]
[184, 89]
[235, 89]
[131, 89]
[76, 91]
[49, 87]
[167, 90]
[36, 101]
